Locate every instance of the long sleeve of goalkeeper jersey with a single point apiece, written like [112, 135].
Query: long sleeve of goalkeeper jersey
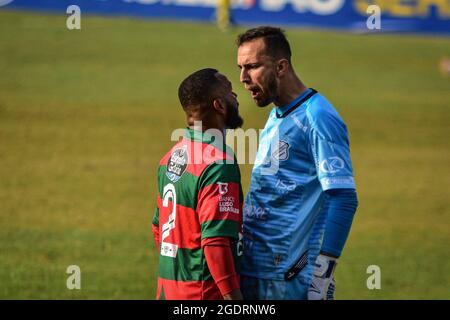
[221, 263]
[341, 205]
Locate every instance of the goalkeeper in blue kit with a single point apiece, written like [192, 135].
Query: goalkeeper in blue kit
[302, 198]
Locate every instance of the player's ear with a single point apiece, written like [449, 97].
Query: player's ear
[219, 106]
[282, 67]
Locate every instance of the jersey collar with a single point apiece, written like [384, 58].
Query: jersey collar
[205, 137]
[283, 111]
[199, 136]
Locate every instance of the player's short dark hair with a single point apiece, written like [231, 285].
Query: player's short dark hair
[199, 88]
[277, 45]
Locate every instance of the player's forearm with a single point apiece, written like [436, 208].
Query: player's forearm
[342, 204]
[221, 265]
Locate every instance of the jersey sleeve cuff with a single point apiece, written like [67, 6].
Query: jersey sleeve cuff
[226, 285]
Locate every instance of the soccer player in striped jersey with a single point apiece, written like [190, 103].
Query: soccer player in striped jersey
[302, 198]
[198, 220]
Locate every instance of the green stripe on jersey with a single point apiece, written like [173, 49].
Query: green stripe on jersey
[156, 217]
[188, 186]
[220, 173]
[188, 265]
[185, 187]
[220, 228]
[191, 265]
[205, 137]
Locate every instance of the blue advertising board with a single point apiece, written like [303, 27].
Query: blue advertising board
[419, 16]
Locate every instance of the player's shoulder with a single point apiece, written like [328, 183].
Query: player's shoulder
[318, 108]
[320, 112]
[175, 148]
[225, 166]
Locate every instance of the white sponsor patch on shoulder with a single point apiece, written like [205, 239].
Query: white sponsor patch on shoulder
[177, 163]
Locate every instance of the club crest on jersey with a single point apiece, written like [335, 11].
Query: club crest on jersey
[281, 152]
[177, 164]
[223, 187]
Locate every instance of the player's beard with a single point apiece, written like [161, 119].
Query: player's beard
[270, 95]
[233, 120]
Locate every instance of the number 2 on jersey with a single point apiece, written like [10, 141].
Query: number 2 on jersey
[169, 249]
[169, 193]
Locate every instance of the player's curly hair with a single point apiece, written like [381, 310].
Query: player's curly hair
[277, 45]
[199, 89]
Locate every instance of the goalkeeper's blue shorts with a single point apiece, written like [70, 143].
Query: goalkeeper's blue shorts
[267, 289]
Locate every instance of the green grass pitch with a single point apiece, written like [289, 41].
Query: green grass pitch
[86, 115]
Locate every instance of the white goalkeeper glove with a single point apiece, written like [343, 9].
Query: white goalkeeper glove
[322, 284]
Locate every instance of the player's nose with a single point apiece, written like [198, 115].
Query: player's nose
[244, 76]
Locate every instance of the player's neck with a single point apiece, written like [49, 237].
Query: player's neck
[212, 128]
[290, 89]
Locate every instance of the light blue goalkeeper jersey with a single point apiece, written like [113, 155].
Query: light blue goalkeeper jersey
[303, 151]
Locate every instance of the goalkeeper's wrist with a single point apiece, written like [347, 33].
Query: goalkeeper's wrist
[325, 266]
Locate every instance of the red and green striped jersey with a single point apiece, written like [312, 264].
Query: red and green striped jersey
[199, 196]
